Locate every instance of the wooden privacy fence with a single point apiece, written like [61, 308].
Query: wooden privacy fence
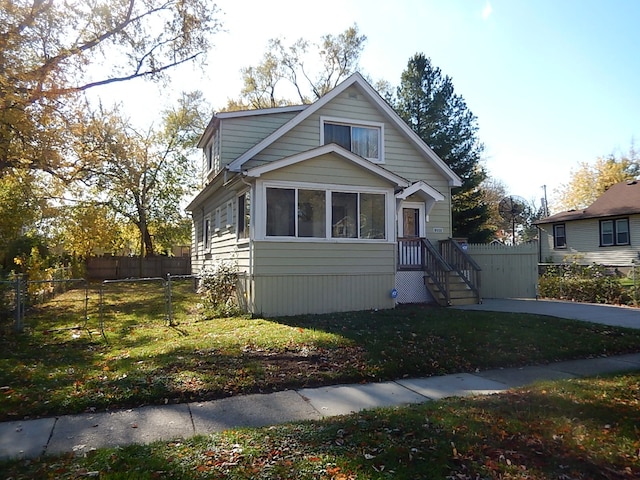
[113, 268]
[507, 271]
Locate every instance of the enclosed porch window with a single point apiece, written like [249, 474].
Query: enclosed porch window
[310, 213]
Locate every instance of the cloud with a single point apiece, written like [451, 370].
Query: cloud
[486, 11]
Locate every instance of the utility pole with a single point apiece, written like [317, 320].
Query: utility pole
[544, 201]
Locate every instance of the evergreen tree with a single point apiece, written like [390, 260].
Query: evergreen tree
[427, 102]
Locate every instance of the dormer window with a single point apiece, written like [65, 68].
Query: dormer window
[212, 153]
[361, 138]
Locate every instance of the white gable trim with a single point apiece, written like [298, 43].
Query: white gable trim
[421, 189]
[372, 95]
[426, 192]
[323, 150]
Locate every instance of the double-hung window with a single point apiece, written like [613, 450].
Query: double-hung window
[206, 229]
[364, 139]
[244, 215]
[559, 236]
[614, 232]
[315, 213]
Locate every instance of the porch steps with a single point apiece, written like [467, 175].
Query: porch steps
[459, 291]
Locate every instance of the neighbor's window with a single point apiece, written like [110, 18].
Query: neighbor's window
[614, 232]
[361, 140]
[559, 236]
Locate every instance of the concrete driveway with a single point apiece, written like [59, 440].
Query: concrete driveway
[590, 312]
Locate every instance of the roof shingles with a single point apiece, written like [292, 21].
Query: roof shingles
[620, 199]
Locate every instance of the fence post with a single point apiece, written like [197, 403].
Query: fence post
[169, 301]
[19, 310]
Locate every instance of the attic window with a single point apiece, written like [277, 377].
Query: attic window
[361, 138]
[212, 153]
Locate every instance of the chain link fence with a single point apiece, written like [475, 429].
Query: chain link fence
[19, 297]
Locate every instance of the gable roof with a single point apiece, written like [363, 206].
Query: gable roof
[378, 101]
[620, 199]
[323, 150]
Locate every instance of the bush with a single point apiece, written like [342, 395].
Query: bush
[580, 283]
[218, 287]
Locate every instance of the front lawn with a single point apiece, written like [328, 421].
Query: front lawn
[54, 369]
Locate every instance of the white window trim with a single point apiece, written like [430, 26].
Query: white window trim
[259, 217]
[357, 123]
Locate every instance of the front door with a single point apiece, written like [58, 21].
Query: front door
[411, 229]
[410, 222]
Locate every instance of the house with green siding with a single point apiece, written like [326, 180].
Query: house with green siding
[607, 232]
[333, 206]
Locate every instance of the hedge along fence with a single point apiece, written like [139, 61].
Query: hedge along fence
[586, 283]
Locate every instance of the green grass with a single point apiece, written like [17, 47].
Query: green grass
[575, 429]
[54, 369]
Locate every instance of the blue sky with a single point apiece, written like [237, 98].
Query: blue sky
[552, 82]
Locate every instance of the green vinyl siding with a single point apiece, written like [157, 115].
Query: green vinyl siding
[240, 134]
[327, 169]
[281, 295]
[320, 258]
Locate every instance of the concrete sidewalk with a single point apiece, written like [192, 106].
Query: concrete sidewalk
[81, 433]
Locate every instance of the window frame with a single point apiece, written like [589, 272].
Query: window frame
[206, 233]
[615, 232]
[556, 244]
[260, 213]
[379, 126]
[243, 216]
[212, 153]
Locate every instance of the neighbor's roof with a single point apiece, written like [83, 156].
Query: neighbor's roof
[620, 199]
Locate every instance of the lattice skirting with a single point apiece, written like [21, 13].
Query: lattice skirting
[411, 288]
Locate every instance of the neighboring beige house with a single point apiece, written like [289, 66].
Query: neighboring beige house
[607, 232]
[324, 207]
